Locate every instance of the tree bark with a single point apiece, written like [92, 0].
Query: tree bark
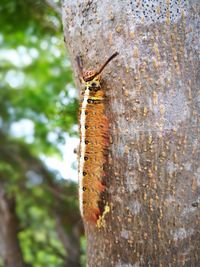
[153, 181]
[10, 250]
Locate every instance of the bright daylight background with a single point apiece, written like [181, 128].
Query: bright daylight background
[66, 164]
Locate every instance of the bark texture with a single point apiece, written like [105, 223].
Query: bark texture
[153, 182]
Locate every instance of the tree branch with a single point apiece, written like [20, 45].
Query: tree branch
[54, 6]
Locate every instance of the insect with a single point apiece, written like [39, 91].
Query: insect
[94, 141]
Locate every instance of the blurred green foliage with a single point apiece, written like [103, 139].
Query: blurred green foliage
[36, 86]
[35, 72]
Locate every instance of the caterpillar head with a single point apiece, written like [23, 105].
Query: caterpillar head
[91, 80]
[91, 75]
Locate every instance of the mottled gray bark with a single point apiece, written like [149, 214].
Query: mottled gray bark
[153, 182]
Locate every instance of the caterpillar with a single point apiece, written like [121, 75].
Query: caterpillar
[94, 141]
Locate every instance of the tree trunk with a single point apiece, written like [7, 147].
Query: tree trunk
[9, 244]
[153, 181]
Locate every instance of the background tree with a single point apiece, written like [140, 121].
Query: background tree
[39, 219]
[152, 105]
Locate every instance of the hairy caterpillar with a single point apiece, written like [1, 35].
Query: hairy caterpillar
[94, 140]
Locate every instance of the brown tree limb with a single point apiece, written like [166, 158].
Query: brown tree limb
[54, 6]
[17, 154]
[9, 224]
